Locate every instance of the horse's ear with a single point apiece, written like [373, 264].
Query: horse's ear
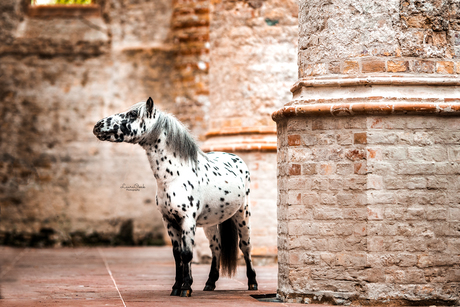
[150, 106]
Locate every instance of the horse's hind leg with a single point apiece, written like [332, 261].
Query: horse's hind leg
[212, 233]
[241, 218]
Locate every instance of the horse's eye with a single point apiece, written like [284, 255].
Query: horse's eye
[132, 114]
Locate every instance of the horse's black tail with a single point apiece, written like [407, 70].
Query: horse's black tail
[229, 247]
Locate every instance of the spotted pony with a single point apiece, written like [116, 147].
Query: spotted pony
[193, 189]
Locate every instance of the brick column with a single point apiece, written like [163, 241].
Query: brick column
[369, 156]
[190, 26]
[252, 63]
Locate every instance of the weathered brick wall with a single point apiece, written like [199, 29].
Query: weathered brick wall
[59, 184]
[190, 31]
[368, 209]
[253, 55]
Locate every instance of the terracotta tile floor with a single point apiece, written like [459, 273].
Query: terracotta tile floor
[134, 276]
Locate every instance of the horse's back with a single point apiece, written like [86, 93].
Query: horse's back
[228, 166]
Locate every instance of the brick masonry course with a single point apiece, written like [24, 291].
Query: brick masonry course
[372, 217]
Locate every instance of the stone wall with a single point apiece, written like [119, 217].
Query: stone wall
[60, 74]
[397, 36]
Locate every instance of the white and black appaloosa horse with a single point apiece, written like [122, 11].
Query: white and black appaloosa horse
[194, 189]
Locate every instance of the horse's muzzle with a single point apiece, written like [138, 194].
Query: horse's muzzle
[97, 128]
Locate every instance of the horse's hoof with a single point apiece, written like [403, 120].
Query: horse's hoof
[175, 292]
[209, 288]
[186, 293]
[252, 287]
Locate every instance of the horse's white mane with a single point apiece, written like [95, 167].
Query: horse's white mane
[178, 137]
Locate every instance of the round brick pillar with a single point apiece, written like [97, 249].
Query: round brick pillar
[252, 63]
[369, 155]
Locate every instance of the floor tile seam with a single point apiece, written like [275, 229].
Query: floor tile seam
[111, 276]
[13, 263]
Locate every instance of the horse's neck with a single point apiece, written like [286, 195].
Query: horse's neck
[163, 162]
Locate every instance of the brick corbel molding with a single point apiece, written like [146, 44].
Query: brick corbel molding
[64, 11]
[241, 130]
[443, 96]
[351, 109]
[399, 80]
[240, 147]
[241, 139]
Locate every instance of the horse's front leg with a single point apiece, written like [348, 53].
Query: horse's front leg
[175, 233]
[188, 241]
[176, 289]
